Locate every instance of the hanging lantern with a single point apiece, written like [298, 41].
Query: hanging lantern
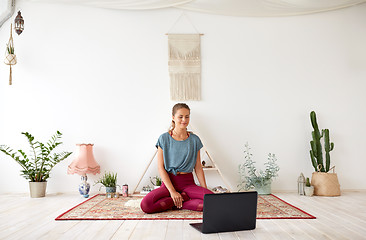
[19, 23]
[10, 57]
[301, 184]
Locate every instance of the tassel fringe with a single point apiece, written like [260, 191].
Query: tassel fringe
[185, 86]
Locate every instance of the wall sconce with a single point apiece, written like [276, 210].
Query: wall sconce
[19, 23]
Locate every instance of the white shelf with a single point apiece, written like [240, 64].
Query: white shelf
[210, 169]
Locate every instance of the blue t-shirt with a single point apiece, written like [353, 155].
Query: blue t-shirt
[179, 156]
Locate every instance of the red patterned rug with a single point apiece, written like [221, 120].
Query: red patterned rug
[128, 208]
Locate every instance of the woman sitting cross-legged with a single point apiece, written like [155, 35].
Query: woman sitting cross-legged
[178, 154]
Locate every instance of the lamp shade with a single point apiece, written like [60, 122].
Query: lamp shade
[85, 162]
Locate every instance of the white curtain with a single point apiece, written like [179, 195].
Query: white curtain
[251, 8]
[123, 4]
[7, 8]
[266, 8]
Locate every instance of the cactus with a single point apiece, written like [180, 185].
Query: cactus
[316, 153]
[327, 147]
[307, 183]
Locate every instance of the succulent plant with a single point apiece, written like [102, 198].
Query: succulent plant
[307, 183]
[156, 181]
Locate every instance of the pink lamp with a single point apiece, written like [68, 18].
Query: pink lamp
[83, 164]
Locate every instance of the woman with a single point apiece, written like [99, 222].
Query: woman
[178, 154]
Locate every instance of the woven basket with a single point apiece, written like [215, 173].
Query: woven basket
[325, 184]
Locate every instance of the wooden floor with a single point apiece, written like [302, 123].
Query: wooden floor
[24, 218]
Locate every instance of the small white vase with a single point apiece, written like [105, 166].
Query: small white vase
[37, 189]
[264, 190]
[309, 191]
[10, 59]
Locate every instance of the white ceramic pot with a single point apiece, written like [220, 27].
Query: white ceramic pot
[37, 189]
[264, 190]
[10, 59]
[309, 191]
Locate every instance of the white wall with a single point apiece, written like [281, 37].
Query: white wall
[100, 76]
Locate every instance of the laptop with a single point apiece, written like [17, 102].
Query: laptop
[226, 212]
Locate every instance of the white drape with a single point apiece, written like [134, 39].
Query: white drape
[123, 4]
[7, 8]
[266, 8]
[253, 8]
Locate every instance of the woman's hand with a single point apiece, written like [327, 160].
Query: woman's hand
[177, 198]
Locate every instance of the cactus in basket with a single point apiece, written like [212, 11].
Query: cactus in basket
[316, 153]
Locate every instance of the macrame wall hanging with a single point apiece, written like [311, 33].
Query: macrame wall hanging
[185, 66]
[10, 57]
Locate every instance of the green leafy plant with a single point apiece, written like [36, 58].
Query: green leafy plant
[252, 178]
[10, 49]
[109, 179]
[316, 153]
[156, 181]
[38, 165]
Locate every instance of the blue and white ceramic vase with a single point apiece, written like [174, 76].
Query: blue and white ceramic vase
[84, 186]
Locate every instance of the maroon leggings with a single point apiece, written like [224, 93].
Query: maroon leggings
[159, 200]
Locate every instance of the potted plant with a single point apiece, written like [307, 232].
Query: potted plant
[109, 181]
[10, 49]
[156, 181]
[252, 178]
[324, 182]
[38, 164]
[10, 58]
[309, 190]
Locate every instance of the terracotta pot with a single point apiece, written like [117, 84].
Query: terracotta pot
[37, 189]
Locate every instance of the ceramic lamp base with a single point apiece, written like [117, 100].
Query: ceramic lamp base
[84, 186]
